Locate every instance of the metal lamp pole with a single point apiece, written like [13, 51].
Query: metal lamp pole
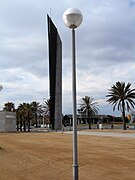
[72, 19]
[75, 152]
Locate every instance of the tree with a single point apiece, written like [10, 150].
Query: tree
[88, 107]
[9, 106]
[18, 119]
[21, 116]
[25, 114]
[46, 106]
[29, 113]
[121, 95]
[36, 109]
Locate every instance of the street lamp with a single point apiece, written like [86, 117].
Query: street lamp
[72, 18]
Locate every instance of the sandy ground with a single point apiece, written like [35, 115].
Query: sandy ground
[48, 156]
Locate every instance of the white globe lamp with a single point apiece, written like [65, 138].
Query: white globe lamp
[72, 18]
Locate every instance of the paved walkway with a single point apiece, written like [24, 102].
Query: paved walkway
[115, 134]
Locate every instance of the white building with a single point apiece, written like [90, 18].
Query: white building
[7, 121]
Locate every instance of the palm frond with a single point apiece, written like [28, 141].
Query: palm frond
[121, 92]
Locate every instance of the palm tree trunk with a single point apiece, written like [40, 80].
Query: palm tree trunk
[17, 124]
[89, 120]
[24, 125]
[21, 123]
[36, 119]
[123, 114]
[28, 122]
[89, 124]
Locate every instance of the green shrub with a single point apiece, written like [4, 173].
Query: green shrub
[119, 119]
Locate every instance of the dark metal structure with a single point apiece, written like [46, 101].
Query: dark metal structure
[55, 75]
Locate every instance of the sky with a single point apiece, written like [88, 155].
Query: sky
[105, 50]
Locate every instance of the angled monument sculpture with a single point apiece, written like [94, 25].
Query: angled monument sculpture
[55, 75]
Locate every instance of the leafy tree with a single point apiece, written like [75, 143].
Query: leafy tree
[121, 95]
[88, 107]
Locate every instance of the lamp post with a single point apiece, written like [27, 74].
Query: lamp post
[72, 18]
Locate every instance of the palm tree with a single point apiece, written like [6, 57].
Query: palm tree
[29, 113]
[88, 107]
[45, 110]
[18, 118]
[9, 106]
[121, 95]
[21, 114]
[25, 114]
[46, 106]
[35, 108]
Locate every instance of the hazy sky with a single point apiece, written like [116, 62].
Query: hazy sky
[105, 49]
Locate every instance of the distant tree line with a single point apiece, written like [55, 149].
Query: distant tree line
[28, 114]
[120, 95]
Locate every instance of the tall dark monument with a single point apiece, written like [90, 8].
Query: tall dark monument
[55, 74]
